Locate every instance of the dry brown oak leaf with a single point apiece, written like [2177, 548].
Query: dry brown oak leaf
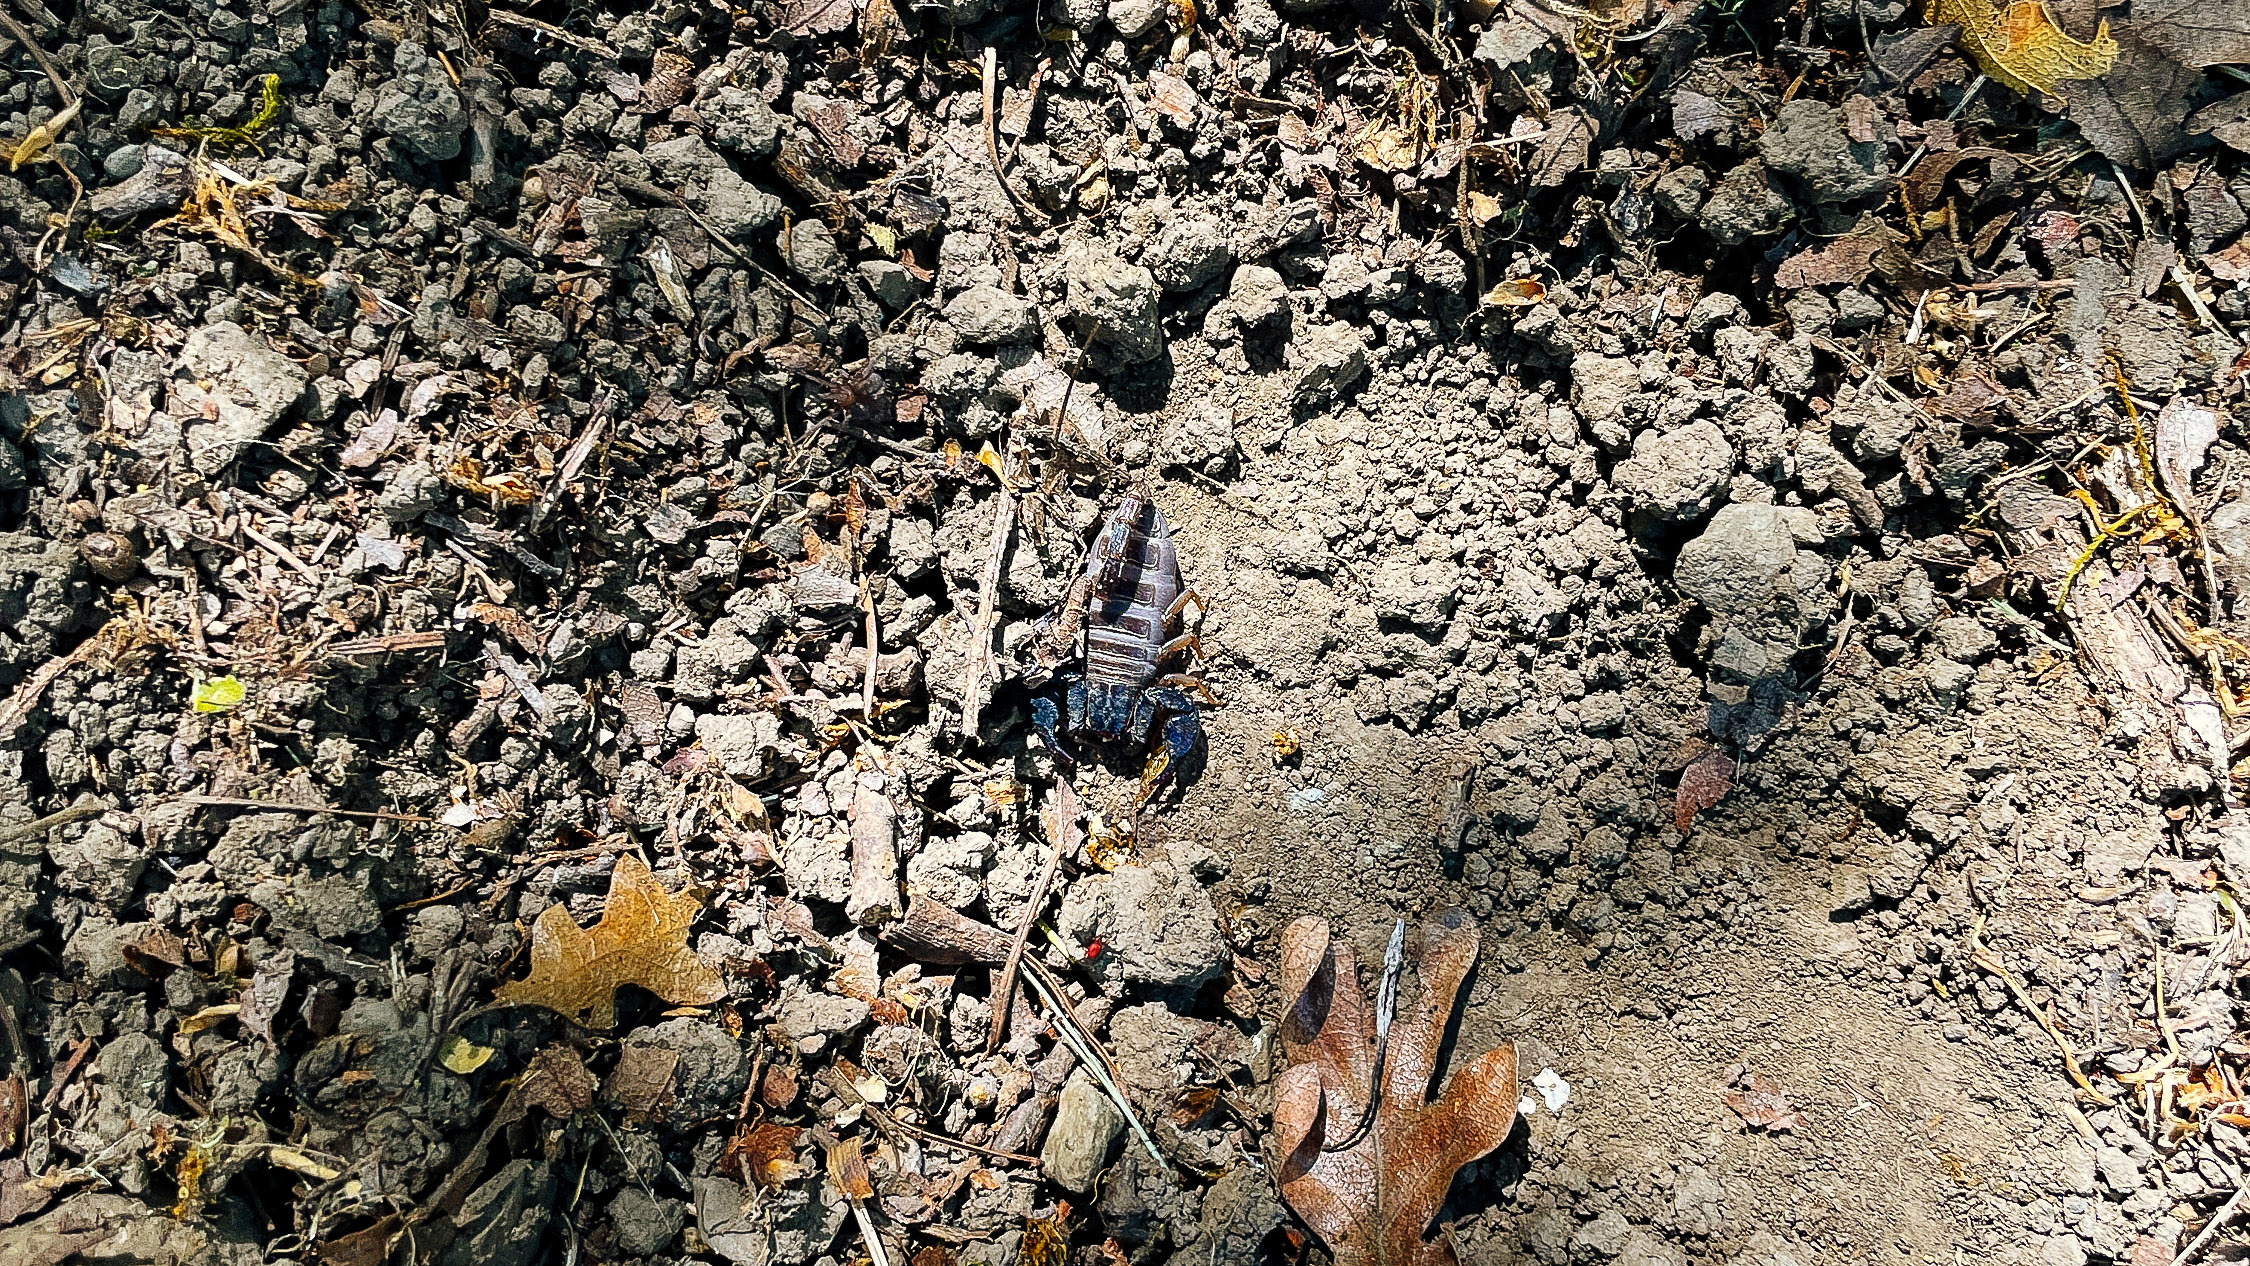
[641, 940]
[1372, 1201]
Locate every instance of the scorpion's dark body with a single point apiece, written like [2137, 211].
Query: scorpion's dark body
[1127, 599]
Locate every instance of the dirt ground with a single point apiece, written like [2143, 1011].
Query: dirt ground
[1742, 503]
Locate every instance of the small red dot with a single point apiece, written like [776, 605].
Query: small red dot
[1094, 950]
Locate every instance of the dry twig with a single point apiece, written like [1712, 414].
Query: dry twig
[1062, 833]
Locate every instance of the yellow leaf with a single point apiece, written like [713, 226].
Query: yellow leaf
[1516, 292]
[641, 940]
[2021, 45]
[37, 143]
[209, 1016]
[1483, 207]
[217, 694]
[885, 240]
[1389, 148]
[463, 1056]
[1045, 1243]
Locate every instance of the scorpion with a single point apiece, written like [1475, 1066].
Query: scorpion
[1126, 600]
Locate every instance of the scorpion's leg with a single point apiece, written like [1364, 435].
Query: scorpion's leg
[1180, 604]
[1192, 685]
[1050, 715]
[1183, 725]
[1184, 642]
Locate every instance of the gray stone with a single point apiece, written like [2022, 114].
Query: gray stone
[1135, 18]
[159, 183]
[419, 109]
[813, 1020]
[1260, 297]
[1677, 475]
[1964, 639]
[1807, 140]
[988, 315]
[2120, 1172]
[1643, 1248]
[889, 282]
[1423, 594]
[744, 745]
[645, 1224]
[505, 1218]
[1084, 1137]
[1334, 357]
[1601, 387]
[1114, 302]
[1188, 252]
[1155, 923]
[734, 206]
[809, 248]
[1746, 204]
[234, 389]
[710, 1071]
[1764, 595]
[950, 868]
[1681, 191]
[740, 121]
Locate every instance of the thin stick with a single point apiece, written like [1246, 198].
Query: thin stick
[46, 63]
[1062, 832]
[874, 651]
[282, 552]
[551, 31]
[1066, 1026]
[988, 595]
[991, 128]
[572, 462]
[40, 826]
[276, 806]
[2211, 1228]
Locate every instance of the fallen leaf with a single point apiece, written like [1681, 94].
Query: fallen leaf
[768, 1154]
[1194, 1106]
[557, 1082]
[1371, 1199]
[1762, 1106]
[778, 1089]
[641, 940]
[1045, 1243]
[1562, 151]
[2133, 115]
[2232, 263]
[2185, 431]
[460, 1055]
[1516, 292]
[642, 1080]
[1172, 97]
[217, 694]
[1846, 260]
[2021, 45]
[268, 989]
[2226, 120]
[1703, 783]
[207, 1017]
[39, 143]
[15, 1112]
[152, 949]
[2196, 32]
[847, 1170]
[1389, 148]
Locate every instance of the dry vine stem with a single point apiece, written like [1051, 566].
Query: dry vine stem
[1987, 959]
[988, 592]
